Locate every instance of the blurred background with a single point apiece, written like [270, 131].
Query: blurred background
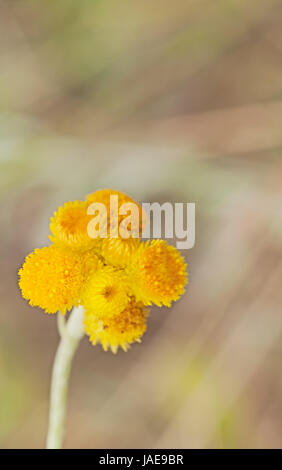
[169, 101]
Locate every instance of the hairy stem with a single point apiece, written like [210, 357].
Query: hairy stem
[71, 334]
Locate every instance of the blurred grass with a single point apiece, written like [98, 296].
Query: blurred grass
[177, 103]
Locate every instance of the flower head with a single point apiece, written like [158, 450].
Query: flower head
[104, 196]
[119, 251]
[69, 227]
[158, 273]
[113, 278]
[90, 263]
[121, 330]
[52, 279]
[106, 294]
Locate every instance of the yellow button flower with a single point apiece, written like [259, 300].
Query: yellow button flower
[106, 293]
[119, 251]
[103, 196]
[52, 279]
[90, 263]
[112, 278]
[120, 330]
[158, 273]
[69, 227]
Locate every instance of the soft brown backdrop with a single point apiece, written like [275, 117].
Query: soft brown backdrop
[169, 101]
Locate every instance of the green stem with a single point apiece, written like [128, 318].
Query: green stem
[71, 334]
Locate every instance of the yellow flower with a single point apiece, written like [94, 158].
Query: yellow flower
[90, 263]
[106, 293]
[52, 279]
[112, 278]
[103, 196]
[118, 251]
[120, 330]
[69, 227]
[158, 273]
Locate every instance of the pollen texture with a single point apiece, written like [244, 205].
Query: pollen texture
[106, 293]
[158, 273]
[119, 251]
[103, 196]
[69, 226]
[52, 279]
[119, 331]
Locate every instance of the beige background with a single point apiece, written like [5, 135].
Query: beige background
[169, 101]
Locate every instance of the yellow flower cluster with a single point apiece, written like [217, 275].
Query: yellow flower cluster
[113, 278]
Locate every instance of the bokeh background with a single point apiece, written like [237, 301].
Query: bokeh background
[168, 101]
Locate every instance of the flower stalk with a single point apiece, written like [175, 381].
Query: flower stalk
[71, 333]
